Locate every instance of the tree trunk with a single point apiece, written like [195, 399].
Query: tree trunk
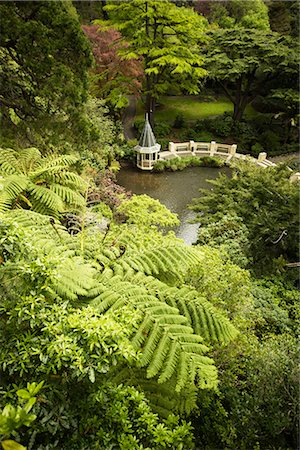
[104, 12]
[150, 101]
[239, 107]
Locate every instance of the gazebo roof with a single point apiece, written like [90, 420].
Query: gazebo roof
[147, 138]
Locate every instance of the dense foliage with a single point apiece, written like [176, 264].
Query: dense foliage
[165, 37]
[44, 61]
[264, 209]
[114, 78]
[114, 334]
[243, 62]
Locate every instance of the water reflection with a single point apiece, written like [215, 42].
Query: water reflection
[174, 189]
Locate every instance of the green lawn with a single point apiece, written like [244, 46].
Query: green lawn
[191, 107]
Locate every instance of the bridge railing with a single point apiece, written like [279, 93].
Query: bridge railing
[229, 151]
[202, 147]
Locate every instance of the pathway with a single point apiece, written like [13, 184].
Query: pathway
[128, 118]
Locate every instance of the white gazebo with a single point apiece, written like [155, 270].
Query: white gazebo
[147, 148]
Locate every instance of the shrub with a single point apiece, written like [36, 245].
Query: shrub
[270, 141]
[189, 161]
[190, 134]
[161, 129]
[256, 149]
[179, 121]
[222, 126]
[209, 161]
[128, 150]
[160, 165]
[139, 125]
[164, 143]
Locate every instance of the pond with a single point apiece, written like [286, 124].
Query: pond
[173, 189]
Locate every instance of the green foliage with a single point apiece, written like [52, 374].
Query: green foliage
[179, 121]
[188, 161]
[127, 422]
[44, 61]
[131, 315]
[284, 17]
[261, 392]
[161, 129]
[12, 417]
[243, 61]
[166, 37]
[229, 235]
[146, 211]
[97, 139]
[266, 203]
[240, 14]
[46, 185]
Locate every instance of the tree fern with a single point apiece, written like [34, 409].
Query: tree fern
[175, 323]
[163, 334]
[46, 253]
[43, 184]
[163, 397]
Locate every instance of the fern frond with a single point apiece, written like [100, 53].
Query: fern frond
[205, 319]
[163, 398]
[27, 159]
[47, 199]
[53, 160]
[67, 275]
[68, 195]
[8, 161]
[73, 278]
[164, 260]
[12, 186]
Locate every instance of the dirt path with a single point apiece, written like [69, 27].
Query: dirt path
[128, 118]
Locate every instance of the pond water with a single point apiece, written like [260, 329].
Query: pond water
[173, 189]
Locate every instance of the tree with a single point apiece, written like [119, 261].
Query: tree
[44, 60]
[284, 17]
[287, 101]
[266, 203]
[94, 309]
[243, 62]
[114, 78]
[45, 185]
[235, 13]
[165, 37]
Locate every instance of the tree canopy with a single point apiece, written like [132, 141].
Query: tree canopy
[113, 78]
[243, 61]
[235, 13]
[165, 37]
[44, 59]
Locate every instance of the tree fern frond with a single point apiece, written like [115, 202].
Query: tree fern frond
[12, 186]
[49, 182]
[53, 160]
[8, 161]
[68, 195]
[206, 320]
[27, 159]
[168, 259]
[163, 398]
[74, 278]
[48, 199]
[64, 274]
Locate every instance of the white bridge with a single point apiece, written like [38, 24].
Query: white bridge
[225, 151]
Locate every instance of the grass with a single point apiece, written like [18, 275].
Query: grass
[191, 107]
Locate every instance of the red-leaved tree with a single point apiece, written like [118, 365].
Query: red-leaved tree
[114, 77]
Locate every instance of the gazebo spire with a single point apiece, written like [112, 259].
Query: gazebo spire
[147, 138]
[147, 148]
